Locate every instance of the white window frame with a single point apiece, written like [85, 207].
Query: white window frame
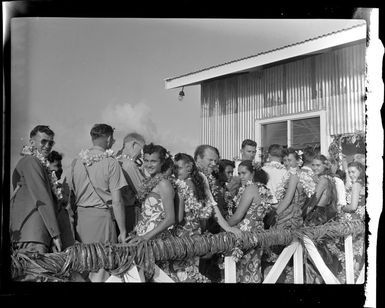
[325, 139]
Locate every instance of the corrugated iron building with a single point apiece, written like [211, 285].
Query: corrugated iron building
[305, 98]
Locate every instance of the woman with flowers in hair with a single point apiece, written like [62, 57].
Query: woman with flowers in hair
[253, 201]
[296, 186]
[156, 195]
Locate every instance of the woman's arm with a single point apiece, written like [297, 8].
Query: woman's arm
[180, 208]
[352, 207]
[167, 194]
[284, 203]
[250, 193]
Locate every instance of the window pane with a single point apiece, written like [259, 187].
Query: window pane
[274, 133]
[306, 132]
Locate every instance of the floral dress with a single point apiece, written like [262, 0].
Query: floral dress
[249, 266]
[194, 211]
[337, 246]
[152, 214]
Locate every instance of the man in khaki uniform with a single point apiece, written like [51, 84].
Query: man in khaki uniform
[129, 158]
[97, 182]
[33, 213]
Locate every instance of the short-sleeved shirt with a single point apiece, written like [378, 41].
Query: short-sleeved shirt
[134, 178]
[106, 176]
[276, 172]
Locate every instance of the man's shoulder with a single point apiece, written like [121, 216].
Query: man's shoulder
[27, 159]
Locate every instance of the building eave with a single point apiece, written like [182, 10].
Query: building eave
[313, 45]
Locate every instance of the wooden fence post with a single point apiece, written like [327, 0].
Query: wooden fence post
[325, 272]
[230, 270]
[298, 264]
[280, 264]
[161, 276]
[349, 262]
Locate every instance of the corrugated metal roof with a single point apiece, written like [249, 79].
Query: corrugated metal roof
[206, 70]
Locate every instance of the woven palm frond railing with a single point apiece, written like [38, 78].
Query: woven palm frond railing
[118, 258]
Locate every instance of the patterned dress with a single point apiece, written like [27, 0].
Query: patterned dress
[249, 266]
[152, 214]
[194, 211]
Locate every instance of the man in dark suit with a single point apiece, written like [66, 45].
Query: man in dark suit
[33, 214]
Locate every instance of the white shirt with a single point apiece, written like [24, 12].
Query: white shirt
[276, 172]
[341, 193]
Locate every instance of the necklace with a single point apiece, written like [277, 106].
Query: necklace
[54, 182]
[88, 159]
[148, 185]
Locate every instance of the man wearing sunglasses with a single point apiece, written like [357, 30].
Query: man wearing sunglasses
[33, 214]
[130, 159]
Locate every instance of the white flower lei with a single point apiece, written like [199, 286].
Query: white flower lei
[275, 164]
[55, 186]
[191, 203]
[305, 179]
[89, 159]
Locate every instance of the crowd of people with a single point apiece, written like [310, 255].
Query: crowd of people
[143, 192]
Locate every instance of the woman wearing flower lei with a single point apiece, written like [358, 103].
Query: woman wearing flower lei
[190, 209]
[294, 190]
[253, 201]
[353, 210]
[156, 196]
[292, 193]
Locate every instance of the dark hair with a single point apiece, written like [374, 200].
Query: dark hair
[53, 156]
[200, 150]
[162, 153]
[308, 154]
[275, 150]
[284, 152]
[101, 130]
[196, 177]
[341, 174]
[223, 163]
[294, 152]
[41, 129]
[361, 168]
[248, 142]
[168, 163]
[260, 175]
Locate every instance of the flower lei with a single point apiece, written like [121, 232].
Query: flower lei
[305, 180]
[55, 185]
[148, 185]
[88, 159]
[191, 203]
[214, 188]
[274, 164]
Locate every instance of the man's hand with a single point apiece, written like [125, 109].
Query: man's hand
[57, 245]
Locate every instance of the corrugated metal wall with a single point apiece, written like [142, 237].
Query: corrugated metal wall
[332, 81]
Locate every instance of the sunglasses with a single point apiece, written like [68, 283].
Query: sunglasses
[44, 142]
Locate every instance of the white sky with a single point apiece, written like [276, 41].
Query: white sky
[72, 73]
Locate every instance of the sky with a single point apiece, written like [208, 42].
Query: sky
[70, 73]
